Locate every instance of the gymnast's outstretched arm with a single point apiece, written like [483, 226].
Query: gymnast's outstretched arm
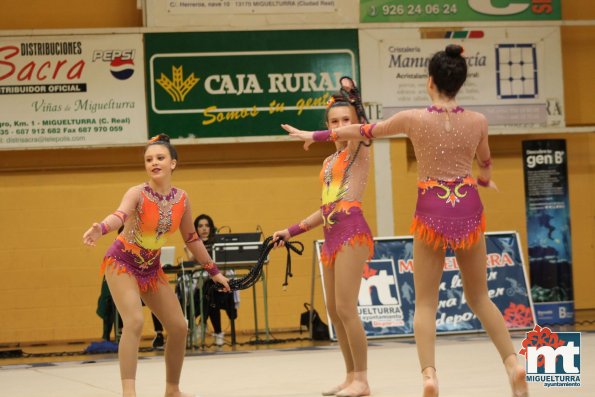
[114, 220]
[399, 123]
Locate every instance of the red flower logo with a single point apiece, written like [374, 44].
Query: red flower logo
[369, 272]
[541, 337]
[518, 316]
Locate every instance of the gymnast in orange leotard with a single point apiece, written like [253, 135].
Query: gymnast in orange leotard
[150, 213]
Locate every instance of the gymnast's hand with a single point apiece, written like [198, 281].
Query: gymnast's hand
[306, 136]
[280, 237]
[221, 279]
[92, 235]
[492, 185]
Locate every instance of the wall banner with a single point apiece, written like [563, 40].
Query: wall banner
[386, 301]
[231, 15]
[58, 91]
[459, 10]
[548, 230]
[514, 74]
[185, 7]
[232, 84]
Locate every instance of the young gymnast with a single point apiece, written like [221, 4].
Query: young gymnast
[449, 213]
[151, 213]
[348, 241]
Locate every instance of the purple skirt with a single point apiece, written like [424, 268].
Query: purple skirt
[143, 264]
[344, 224]
[448, 213]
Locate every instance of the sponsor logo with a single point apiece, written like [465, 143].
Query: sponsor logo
[177, 87]
[121, 62]
[552, 358]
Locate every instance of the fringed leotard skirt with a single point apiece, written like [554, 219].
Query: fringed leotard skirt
[448, 213]
[344, 225]
[141, 263]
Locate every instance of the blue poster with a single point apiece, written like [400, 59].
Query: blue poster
[386, 301]
[548, 230]
[380, 303]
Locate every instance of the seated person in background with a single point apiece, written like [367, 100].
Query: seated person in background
[212, 305]
[107, 311]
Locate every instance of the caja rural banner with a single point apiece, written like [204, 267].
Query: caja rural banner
[386, 301]
[459, 10]
[84, 90]
[514, 74]
[238, 84]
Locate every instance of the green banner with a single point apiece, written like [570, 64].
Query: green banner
[459, 10]
[230, 84]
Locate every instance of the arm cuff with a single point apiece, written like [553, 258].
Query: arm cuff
[296, 229]
[321, 136]
[485, 164]
[482, 182]
[365, 130]
[104, 228]
[192, 237]
[211, 268]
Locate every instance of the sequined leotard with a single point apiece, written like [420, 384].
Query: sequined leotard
[449, 211]
[344, 176]
[149, 220]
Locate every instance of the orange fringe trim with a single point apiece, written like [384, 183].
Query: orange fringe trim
[358, 239]
[153, 285]
[431, 237]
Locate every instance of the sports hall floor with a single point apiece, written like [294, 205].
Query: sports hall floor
[468, 365]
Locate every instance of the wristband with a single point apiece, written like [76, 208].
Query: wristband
[211, 268]
[485, 164]
[192, 237]
[365, 130]
[321, 136]
[104, 228]
[483, 183]
[296, 229]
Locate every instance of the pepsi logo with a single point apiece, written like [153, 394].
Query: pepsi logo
[122, 69]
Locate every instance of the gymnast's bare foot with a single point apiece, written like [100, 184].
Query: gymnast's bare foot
[430, 382]
[518, 383]
[172, 390]
[178, 394]
[334, 390]
[357, 388]
[516, 376]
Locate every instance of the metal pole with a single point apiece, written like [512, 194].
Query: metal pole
[314, 262]
[203, 323]
[255, 314]
[266, 307]
[192, 323]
